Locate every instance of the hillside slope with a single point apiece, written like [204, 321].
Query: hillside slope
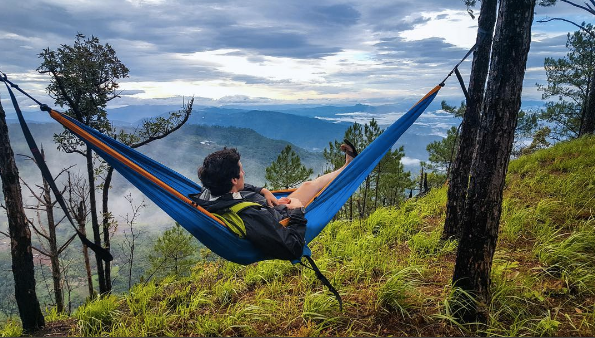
[392, 271]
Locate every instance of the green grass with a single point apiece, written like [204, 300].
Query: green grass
[394, 273]
[11, 328]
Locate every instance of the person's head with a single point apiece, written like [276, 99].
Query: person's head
[222, 171]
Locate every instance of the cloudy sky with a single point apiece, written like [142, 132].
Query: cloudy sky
[230, 51]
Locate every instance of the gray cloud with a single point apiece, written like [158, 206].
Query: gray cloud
[151, 38]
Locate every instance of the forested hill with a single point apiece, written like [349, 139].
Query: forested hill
[392, 271]
[312, 133]
[183, 150]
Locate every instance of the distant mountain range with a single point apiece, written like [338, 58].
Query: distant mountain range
[259, 134]
[310, 128]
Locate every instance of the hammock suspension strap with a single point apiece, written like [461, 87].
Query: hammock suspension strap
[323, 279]
[462, 83]
[39, 160]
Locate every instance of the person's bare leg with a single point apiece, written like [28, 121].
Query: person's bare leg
[306, 192]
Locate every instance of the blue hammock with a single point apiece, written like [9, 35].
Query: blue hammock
[169, 189]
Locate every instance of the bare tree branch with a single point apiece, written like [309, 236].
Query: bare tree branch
[5, 234]
[588, 8]
[574, 23]
[39, 232]
[39, 198]
[30, 158]
[41, 251]
[67, 243]
[60, 221]
[185, 111]
[62, 172]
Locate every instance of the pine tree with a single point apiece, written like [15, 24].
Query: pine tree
[287, 171]
[174, 253]
[459, 173]
[443, 152]
[482, 211]
[84, 78]
[570, 80]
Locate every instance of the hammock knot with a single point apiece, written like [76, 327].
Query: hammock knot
[44, 107]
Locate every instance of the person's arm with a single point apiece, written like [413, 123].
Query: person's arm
[271, 199]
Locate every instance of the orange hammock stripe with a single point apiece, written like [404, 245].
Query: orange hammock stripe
[90, 138]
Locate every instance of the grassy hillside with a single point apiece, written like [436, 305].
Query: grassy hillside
[392, 271]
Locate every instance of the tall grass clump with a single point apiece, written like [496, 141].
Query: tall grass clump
[11, 328]
[396, 294]
[321, 307]
[456, 302]
[571, 257]
[425, 244]
[227, 290]
[97, 316]
[52, 314]
[140, 298]
[515, 301]
[395, 224]
[267, 271]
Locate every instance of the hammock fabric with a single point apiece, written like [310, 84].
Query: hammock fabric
[170, 190]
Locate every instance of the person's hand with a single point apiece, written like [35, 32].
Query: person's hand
[271, 199]
[284, 200]
[294, 203]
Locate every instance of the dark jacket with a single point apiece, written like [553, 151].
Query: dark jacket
[262, 224]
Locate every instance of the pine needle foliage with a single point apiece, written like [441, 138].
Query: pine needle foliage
[287, 171]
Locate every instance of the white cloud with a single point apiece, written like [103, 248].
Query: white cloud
[455, 27]
[408, 161]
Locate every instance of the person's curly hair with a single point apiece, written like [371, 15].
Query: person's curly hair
[218, 169]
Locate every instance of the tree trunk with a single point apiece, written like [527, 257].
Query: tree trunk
[588, 123]
[54, 254]
[421, 181]
[94, 221]
[106, 223]
[365, 203]
[379, 170]
[20, 236]
[80, 218]
[459, 178]
[494, 145]
[351, 208]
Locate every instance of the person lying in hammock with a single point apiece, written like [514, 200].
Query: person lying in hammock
[222, 176]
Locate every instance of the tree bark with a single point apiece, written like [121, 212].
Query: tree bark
[80, 218]
[20, 236]
[588, 123]
[94, 221]
[457, 189]
[378, 172]
[494, 144]
[106, 223]
[54, 254]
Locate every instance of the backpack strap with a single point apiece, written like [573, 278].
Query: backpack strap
[230, 216]
[237, 208]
